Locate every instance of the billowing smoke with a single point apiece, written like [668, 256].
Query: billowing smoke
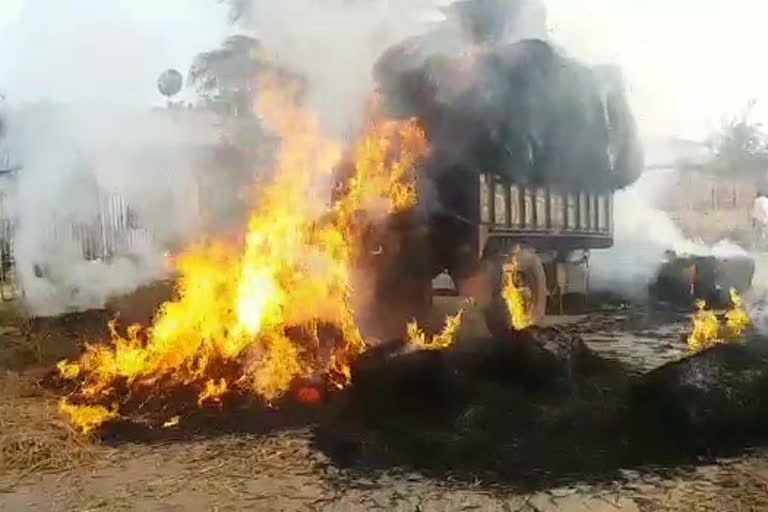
[96, 146]
[643, 233]
[80, 80]
[103, 182]
[674, 92]
[334, 44]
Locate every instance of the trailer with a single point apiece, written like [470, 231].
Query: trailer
[543, 235]
[538, 235]
[527, 146]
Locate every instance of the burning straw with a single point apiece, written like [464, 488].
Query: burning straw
[709, 331]
[254, 319]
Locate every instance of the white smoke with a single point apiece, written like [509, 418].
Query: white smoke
[80, 81]
[77, 158]
[674, 91]
[335, 43]
[643, 233]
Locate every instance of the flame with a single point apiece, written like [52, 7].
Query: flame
[705, 328]
[212, 392]
[446, 338]
[86, 417]
[254, 318]
[736, 319]
[515, 297]
[708, 331]
[172, 422]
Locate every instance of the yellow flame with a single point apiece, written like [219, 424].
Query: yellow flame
[515, 298]
[172, 422]
[237, 306]
[707, 330]
[736, 319]
[86, 418]
[446, 338]
[213, 391]
[67, 370]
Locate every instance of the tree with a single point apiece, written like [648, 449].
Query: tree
[232, 66]
[740, 147]
[228, 75]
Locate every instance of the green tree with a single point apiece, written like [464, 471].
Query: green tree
[740, 147]
[232, 67]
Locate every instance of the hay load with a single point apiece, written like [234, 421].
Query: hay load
[520, 107]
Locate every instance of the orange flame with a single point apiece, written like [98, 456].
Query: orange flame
[516, 297]
[446, 338]
[255, 318]
[708, 331]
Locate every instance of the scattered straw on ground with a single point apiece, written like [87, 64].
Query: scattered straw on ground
[33, 436]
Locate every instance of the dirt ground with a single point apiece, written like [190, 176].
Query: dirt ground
[286, 470]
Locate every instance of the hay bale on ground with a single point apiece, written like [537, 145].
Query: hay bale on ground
[684, 279]
[394, 377]
[417, 383]
[536, 358]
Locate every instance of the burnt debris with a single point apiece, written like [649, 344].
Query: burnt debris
[684, 279]
[534, 407]
[718, 394]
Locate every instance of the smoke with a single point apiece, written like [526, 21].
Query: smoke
[677, 89]
[79, 161]
[643, 233]
[675, 92]
[106, 53]
[80, 80]
[335, 43]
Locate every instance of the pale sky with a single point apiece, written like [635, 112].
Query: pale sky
[687, 62]
[101, 50]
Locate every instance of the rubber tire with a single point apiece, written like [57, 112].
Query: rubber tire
[497, 317]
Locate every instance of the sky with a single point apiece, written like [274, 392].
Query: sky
[687, 63]
[109, 51]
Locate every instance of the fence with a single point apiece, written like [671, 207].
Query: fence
[112, 231]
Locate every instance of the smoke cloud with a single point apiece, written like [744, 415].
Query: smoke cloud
[674, 92]
[97, 58]
[335, 44]
[78, 159]
[80, 123]
[642, 234]
[79, 80]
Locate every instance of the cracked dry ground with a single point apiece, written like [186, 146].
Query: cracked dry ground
[286, 471]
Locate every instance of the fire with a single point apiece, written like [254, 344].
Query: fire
[254, 318]
[515, 297]
[706, 328]
[736, 319]
[418, 338]
[86, 417]
[212, 392]
[708, 331]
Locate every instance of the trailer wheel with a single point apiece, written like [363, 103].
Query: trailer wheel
[530, 277]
